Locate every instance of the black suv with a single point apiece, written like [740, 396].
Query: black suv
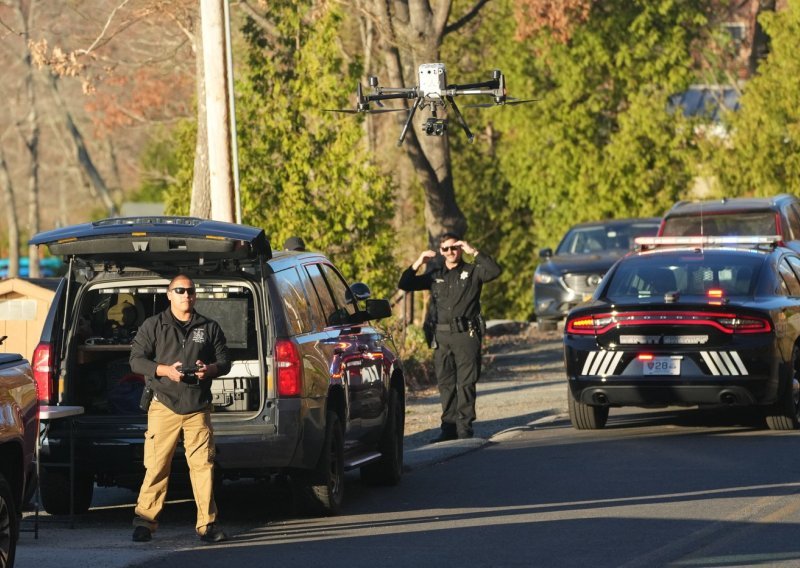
[314, 389]
[778, 215]
[587, 251]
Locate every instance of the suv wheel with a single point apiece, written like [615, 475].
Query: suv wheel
[389, 469]
[54, 487]
[9, 524]
[324, 486]
[585, 416]
[785, 413]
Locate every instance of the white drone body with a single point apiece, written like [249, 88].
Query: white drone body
[432, 80]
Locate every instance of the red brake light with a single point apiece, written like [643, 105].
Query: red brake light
[715, 293]
[598, 324]
[289, 370]
[44, 373]
[645, 357]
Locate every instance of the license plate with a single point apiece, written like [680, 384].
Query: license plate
[662, 366]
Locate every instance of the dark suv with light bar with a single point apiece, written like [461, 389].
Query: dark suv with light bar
[777, 215]
[690, 321]
[314, 388]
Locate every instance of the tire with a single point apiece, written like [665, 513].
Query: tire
[546, 325]
[585, 416]
[54, 487]
[9, 524]
[785, 413]
[323, 488]
[389, 469]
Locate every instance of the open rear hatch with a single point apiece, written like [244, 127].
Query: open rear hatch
[151, 240]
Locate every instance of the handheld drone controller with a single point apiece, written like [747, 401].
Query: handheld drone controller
[189, 374]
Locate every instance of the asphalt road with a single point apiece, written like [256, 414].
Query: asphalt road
[678, 488]
[654, 489]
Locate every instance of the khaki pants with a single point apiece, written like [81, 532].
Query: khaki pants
[163, 429]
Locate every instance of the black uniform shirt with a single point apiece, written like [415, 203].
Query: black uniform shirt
[163, 339]
[456, 292]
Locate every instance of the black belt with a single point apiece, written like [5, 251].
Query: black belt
[443, 327]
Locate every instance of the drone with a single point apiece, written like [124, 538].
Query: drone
[433, 92]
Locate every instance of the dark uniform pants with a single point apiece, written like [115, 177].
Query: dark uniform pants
[458, 366]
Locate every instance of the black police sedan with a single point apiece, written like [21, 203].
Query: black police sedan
[707, 321]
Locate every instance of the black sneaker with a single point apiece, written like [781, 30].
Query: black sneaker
[213, 534]
[142, 534]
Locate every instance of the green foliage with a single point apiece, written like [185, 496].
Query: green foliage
[305, 172]
[160, 165]
[762, 155]
[600, 143]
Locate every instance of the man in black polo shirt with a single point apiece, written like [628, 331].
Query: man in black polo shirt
[457, 324]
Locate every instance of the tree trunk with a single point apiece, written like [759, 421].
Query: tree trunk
[11, 218]
[420, 24]
[201, 193]
[85, 161]
[31, 138]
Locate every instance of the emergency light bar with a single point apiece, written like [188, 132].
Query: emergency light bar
[709, 240]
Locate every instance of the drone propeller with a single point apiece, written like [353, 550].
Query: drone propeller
[508, 101]
[367, 111]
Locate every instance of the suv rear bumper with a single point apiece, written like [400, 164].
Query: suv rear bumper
[113, 448]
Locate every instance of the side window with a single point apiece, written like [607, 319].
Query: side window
[794, 262]
[789, 277]
[793, 212]
[324, 295]
[339, 288]
[295, 303]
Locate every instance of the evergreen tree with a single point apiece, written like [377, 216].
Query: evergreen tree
[601, 141]
[761, 156]
[304, 172]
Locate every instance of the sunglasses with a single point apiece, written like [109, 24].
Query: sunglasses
[181, 290]
[448, 249]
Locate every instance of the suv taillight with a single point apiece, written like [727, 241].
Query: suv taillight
[287, 362]
[43, 372]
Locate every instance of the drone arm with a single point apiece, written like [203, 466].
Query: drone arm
[460, 118]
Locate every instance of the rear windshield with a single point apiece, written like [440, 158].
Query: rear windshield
[725, 224]
[591, 240]
[688, 273]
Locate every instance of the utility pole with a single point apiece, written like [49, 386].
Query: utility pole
[212, 21]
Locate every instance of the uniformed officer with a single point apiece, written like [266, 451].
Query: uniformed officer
[457, 325]
[179, 351]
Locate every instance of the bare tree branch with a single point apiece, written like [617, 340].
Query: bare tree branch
[466, 18]
[263, 22]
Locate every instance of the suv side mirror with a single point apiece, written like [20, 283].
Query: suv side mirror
[378, 309]
[545, 253]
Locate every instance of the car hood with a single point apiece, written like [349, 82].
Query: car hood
[148, 240]
[581, 263]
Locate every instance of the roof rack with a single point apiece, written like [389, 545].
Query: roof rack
[645, 243]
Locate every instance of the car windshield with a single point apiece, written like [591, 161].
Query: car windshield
[604, 238]
[722, 224]
[685, 272]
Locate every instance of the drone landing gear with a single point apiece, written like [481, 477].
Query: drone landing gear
[411, 112]
[461, 121]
